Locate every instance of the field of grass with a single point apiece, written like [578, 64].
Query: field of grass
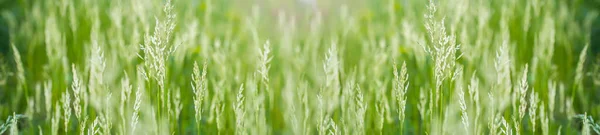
[263, 67]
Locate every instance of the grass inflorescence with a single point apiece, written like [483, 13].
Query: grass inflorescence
[299, 67]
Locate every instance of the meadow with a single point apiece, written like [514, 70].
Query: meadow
[329, 67]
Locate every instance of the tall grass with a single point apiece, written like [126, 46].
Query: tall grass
[299, 67]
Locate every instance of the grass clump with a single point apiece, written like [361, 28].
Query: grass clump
[299, 67]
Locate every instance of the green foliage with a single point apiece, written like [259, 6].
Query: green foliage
[299, 67]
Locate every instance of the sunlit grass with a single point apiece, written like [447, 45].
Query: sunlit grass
[299, 67]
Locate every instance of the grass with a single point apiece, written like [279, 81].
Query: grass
[299, 67]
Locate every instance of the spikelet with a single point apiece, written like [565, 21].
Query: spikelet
[264, 66]
[126, 89]
[333, 128]
[240, 112]
[522, 94]
[463, 109]
[361, 110]
[503, 81]
[94, 129]
[199, 89]
[136, 109]
[332, 86]
[474, 97]
[156, 49]
[66, 101]
[400, 88]
[96, 67]
[533, 101]
[321, 116]
[493, 124]
[443, 50]
[76, 86]
[506, 128]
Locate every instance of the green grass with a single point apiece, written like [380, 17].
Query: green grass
[296, 67]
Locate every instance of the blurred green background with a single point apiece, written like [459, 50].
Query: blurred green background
[27, 25]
